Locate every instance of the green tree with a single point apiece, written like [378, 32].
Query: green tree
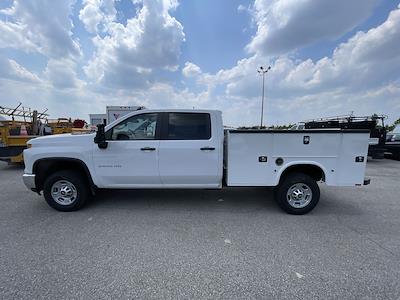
[391, 127]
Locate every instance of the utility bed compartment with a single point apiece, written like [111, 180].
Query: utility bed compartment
[259, 157]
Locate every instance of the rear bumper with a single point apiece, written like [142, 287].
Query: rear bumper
[29, 181]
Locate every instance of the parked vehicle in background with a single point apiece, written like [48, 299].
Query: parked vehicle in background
[298, 126]
[115, 112]
[64, 125]
[96, 119]
[393, 142]
[22, 124]
[190, 149]
[18, 126]
[375, 124]
[112, 113]
[393, 137]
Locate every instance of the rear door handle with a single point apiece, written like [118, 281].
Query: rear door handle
[207, 148]
[147, 149]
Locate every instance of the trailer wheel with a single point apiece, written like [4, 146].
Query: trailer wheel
[297, 194]
[66, 190]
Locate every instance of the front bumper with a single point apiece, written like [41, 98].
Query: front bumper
[29, 181]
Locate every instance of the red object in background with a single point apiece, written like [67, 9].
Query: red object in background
[79, 123]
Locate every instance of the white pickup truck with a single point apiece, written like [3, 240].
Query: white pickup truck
[190, 149]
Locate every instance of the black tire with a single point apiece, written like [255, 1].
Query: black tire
[79, 183]
[290, 181]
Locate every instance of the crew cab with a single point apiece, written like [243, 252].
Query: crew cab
[189, 149]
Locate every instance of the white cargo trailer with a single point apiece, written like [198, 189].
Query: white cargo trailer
[96, 119]
[115, 112]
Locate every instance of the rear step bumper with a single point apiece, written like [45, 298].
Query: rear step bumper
[367, 181]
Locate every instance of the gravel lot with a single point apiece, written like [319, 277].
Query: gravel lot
[233, 243]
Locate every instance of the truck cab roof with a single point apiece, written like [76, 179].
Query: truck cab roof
[169, 110]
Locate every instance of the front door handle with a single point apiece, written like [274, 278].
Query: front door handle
[147, 149]
[207, 148]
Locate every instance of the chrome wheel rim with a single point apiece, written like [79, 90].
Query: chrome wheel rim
[299, 195]
[64, 192]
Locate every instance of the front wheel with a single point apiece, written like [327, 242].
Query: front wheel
[66, 190]
[297, 194]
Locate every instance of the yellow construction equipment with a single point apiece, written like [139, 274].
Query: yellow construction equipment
[15, 133]
[60, 125]
[26, 124]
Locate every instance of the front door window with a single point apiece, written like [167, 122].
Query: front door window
[138, 127]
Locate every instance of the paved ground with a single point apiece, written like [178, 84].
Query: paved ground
[234, 243]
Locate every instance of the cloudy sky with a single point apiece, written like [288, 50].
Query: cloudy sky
[327, 57]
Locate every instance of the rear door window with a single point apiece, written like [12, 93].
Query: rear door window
[188, 126]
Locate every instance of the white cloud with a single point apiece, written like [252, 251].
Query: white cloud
[8, 11]
[366, 60]
[127, 56]
[191, 70]
[10, 69]
[42, 26]
[91, 15]
[348, 80]
[97, 13]
[241, 8]
[286, 25]
[132, 62]
[61, 73]
[13, 35]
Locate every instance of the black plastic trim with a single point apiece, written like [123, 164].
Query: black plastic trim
[207, 148]
[299, 131]
[9, 151]
[66, 159]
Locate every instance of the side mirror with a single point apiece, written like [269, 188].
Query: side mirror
[100, 138]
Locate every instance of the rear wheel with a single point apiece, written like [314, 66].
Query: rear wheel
[66, 190]
[297, 194]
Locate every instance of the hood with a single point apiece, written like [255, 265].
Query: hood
[63, 139]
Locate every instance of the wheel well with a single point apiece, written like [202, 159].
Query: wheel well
[313, 171]
[45, 167]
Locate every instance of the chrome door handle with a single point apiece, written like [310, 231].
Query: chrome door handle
[147, 149]
[207, 148]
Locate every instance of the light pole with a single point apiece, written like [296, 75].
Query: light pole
[262, 71]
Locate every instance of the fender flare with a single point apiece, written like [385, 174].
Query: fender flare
[300, 163]
[78, 161]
